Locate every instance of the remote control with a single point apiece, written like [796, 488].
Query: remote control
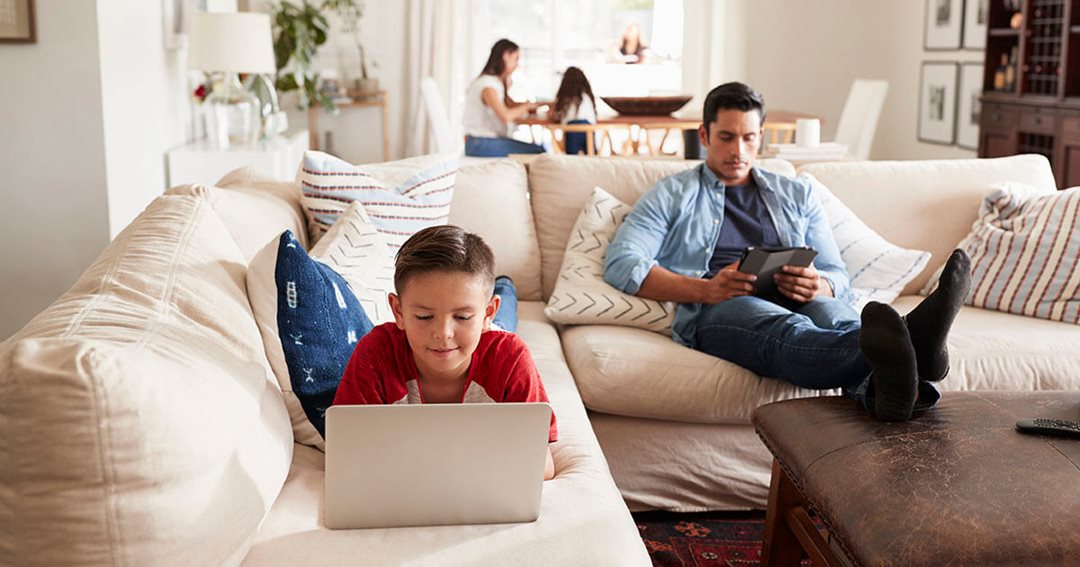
[1049, 427]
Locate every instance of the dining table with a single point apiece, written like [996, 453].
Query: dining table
[779, 128]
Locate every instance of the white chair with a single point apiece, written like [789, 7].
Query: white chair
[859, 119]
[436, 116]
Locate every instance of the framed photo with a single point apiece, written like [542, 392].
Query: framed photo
[976, 13]
[937, 102]
[968, 107]
[943, 24]
[17, 21]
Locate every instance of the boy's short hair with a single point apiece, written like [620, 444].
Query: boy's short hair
[445, 248]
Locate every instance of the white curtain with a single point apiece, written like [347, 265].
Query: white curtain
[437, 45]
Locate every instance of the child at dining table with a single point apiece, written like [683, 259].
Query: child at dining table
[574, 104]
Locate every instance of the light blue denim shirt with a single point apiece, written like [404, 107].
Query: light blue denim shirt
[676, 225]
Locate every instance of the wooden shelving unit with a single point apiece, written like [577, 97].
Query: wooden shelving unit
[1040, 111]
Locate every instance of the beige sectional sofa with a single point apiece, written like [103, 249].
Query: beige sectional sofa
[140, 422]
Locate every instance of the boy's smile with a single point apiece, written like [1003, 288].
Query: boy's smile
[443, 314]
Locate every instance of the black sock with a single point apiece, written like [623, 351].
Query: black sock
[930, 321]
[885, 342]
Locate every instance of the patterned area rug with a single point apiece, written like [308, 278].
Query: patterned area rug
[708, 538]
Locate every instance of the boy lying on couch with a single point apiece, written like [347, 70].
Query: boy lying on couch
[441, 347]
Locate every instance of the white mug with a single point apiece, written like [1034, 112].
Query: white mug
[808, 132]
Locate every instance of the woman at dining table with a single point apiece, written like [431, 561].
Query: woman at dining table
[490, 113]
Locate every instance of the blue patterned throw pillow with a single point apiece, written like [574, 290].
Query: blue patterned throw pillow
[310, 320]
[319, 323]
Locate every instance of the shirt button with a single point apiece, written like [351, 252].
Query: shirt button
[716, 221]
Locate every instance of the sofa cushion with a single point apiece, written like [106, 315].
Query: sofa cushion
[491, 199]
[636, 373]
[1025, 249]
[561, 185]
[139, 420]
[991, 350]
[254, 206]
[926, 205]
[581, 295]
[402, 197]
[310, 319]
[583, 520]
[879, 269]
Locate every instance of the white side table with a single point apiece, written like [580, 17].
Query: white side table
[197, 162]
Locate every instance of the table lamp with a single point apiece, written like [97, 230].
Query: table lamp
[231, 43]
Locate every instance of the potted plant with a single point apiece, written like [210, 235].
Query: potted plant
[299, 31]
[351, 12]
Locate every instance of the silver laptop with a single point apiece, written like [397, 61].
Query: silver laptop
[426, 465]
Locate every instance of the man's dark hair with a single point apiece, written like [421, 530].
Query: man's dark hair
[445, 248]
[732, 96]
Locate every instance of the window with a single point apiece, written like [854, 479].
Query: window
[555, 34]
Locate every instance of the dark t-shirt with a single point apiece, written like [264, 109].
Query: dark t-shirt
[746, 223]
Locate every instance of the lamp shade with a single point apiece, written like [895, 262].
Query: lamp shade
[235, 42]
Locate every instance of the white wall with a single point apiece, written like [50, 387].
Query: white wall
[714, 47]
[146, 105]
[804, 55]
[357, 132]
[52, 160]
[86, 116]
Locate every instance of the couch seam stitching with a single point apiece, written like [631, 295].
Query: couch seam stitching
[178, 256]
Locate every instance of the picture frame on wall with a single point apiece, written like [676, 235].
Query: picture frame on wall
[937, 102]
[944, 23]
[976, 15]
[968, 106]
[17, 21]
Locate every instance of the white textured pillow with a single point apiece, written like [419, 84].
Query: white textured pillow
[581, 295]
[357, 251]
[879, 269]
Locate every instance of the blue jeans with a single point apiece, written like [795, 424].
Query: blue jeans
[507, 317]
[575, 141]
[813, 345]
[498, 147]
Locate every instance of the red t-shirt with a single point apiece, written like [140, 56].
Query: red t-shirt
[382, 370]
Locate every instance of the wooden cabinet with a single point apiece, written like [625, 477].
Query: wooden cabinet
[1031, 83]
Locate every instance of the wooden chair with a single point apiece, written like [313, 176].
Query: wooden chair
[779, 133]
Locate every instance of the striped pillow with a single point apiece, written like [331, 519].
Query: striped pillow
[401, 197]
[1024, 250]
[879, 269]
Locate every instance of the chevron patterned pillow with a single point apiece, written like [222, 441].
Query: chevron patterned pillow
[581, 295]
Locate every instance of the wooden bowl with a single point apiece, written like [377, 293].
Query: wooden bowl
[646, 105]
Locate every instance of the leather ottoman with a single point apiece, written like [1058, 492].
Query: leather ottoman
[956, 485]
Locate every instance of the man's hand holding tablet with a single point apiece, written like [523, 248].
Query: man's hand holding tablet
[784, 272]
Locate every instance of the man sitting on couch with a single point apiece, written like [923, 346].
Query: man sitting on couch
[682, 243]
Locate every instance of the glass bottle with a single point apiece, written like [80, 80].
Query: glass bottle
[999, 73]
[1010, 71]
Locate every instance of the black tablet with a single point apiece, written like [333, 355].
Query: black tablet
[766, 262]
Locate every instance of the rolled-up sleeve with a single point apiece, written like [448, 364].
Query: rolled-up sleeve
[828, 262]
[633, 251]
